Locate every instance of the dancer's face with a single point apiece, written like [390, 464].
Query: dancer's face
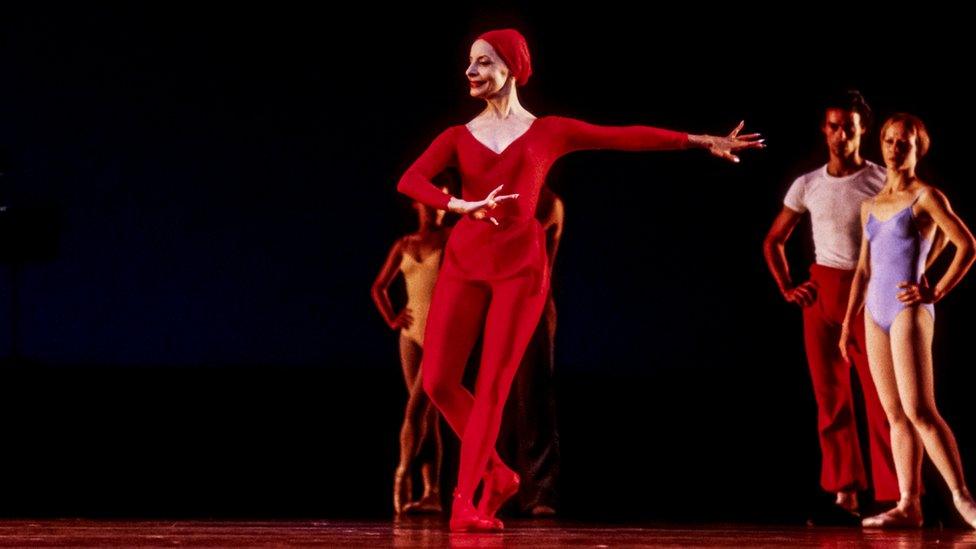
[899, 146]
[426, 214]
[487, 73]
[843, 131]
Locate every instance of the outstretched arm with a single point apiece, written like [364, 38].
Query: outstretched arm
[581, 135]
[726, 147]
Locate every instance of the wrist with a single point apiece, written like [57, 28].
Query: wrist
[785, 289]
[455, 205]
[700, 141]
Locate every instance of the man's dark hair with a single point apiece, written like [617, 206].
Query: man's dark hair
[851, 100]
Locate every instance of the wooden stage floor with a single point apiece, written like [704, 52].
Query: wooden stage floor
[431, 533]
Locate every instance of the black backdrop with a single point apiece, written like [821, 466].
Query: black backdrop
[199, 198]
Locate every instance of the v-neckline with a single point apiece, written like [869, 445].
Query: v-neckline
[425, 259]
[894, 215]
[509, 146]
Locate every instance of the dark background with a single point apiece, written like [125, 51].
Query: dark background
[199, 199]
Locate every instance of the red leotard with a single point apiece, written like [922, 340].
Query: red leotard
[496, 278]
[481, 251]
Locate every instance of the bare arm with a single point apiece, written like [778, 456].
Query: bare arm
[774, 250]
[381, 285]
[725, 147]
[553, 226]
[937, 206]
[862, 273]
[939, 243]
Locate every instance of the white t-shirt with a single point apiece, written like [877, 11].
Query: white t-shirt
[834, 204]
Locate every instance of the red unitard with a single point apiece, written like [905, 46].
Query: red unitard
[496, 278]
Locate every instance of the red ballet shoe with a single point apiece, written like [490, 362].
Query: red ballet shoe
[465, 518]
[500, 484]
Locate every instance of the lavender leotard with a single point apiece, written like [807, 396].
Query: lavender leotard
[898, 254]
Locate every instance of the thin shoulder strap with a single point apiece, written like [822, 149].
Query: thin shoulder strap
[917, 196]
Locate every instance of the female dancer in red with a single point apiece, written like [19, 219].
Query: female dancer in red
[494, 275]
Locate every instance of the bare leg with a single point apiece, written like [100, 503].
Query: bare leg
[432, 483]
[883, 476]
[905, 444]
[420, 426]
[847, 500]
[911, 349]
[410, 354]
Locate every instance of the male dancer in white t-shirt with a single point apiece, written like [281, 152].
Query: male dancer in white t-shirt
[833, 194]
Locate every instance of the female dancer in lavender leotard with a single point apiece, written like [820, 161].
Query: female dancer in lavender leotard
[900, 224]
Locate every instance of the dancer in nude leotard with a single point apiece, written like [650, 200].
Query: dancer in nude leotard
[418, 257]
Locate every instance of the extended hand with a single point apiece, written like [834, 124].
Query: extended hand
[725, 147]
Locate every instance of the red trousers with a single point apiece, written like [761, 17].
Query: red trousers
[842, 467]
[508, 310]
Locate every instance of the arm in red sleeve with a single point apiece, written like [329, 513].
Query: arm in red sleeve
[416, 182]
[579, 135]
